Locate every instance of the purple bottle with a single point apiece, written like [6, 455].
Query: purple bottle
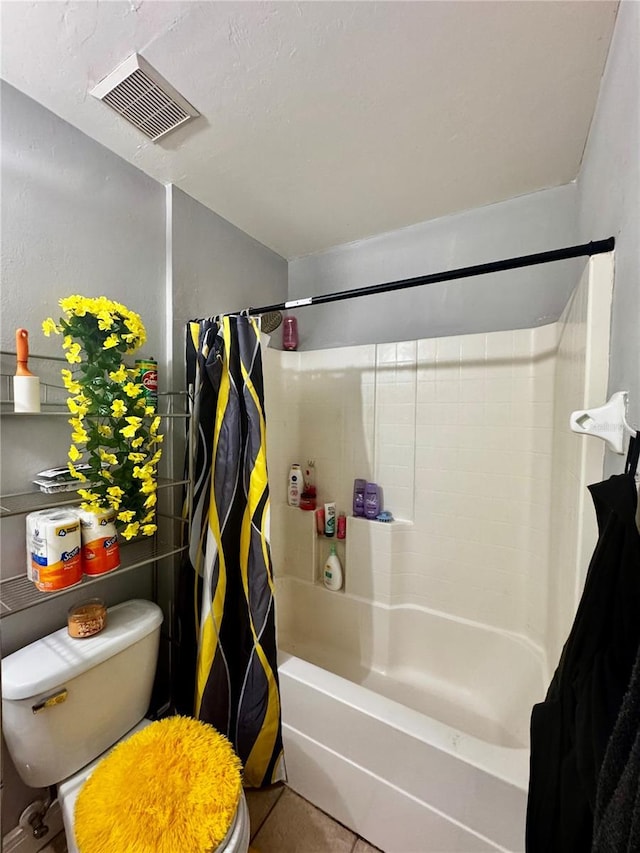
[358, 496]
[371, 500]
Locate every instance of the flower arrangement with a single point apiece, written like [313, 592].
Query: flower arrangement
[114, 431]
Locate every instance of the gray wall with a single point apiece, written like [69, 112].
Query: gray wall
[75, 219]
[78, 219]
[609, 200]
[216, 268]
[509, 300]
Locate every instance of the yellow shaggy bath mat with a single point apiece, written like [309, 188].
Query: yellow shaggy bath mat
[173, 787]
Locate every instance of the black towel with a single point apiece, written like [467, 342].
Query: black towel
[616, 826]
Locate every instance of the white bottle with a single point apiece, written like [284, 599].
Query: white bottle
[333, 575]
[295, 485]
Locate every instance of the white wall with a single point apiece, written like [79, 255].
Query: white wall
[609, 200]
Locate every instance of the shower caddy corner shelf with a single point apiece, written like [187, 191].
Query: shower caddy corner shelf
[18, 592]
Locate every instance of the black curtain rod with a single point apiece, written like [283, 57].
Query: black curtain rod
[596, 247]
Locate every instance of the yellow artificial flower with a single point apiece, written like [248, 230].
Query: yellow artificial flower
[118, 408]
[131, 530]
[136, 457]
[155, 423]
[149, 410]
[151, 500]
[110, 342]
[105, 430]
[73, 355]
[129, 431]
[119, 375]
[80, 436]
[69, 382]
[138, 442]
[78, 405]
[74, 305]
[49, 326]
[66, 343]
[109, 458]
[75, 473]
[132, 390]
[105, 320]
[86, 495]
[74, 453]
[148, 486]
[126, 515]
[149, 529]
[92, 507]
[115, 492]
[106, 474]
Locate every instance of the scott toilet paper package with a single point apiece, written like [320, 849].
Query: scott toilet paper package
[100, 549]
[53, 547]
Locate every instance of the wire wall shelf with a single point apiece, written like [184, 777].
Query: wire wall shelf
[19, 593]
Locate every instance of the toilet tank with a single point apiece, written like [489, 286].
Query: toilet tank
[64, 700]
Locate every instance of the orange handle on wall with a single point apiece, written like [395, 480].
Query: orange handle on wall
[22, 350]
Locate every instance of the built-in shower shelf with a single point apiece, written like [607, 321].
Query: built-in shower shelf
[19, 593]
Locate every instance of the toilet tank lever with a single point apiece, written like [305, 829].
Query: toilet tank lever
[49, 701]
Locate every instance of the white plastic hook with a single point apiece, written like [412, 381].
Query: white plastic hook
[608, 422]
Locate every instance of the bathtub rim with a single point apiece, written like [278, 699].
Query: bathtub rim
[509, 764]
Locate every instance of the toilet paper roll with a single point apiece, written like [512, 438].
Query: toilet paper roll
[100, 549]
[54, 546]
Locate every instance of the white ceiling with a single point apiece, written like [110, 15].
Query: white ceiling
[324, 122]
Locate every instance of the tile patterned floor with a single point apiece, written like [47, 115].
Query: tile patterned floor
[282, 822]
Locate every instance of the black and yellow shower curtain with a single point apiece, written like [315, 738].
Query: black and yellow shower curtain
[228, 574]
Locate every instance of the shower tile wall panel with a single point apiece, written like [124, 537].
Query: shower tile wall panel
[458, 433]
[581, 381]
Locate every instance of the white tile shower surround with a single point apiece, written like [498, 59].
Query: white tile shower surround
[458, 431]
[463, 434]
[469, 437]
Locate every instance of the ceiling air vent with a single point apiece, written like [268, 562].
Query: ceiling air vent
[143, 97]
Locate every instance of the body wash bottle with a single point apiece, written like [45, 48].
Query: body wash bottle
[333, 575]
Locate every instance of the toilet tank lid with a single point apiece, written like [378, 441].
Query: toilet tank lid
[52, 661]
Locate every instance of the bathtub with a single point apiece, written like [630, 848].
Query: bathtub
[408, 726]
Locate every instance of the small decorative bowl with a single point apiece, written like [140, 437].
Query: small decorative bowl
[86, 618]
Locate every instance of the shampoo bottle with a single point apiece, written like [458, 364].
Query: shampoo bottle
[333, 576]
[372, 500]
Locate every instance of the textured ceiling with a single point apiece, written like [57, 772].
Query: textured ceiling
[325, 122]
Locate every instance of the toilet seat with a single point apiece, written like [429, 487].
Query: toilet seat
[236, 840]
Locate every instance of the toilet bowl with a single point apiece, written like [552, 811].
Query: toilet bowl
[67, 703]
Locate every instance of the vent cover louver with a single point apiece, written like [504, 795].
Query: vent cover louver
[143, 97]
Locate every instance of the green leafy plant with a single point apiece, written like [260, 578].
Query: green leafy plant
[114, 430]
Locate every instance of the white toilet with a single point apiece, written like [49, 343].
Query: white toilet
[66, 703]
